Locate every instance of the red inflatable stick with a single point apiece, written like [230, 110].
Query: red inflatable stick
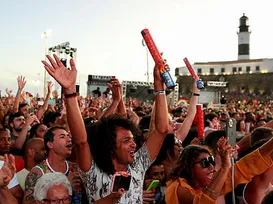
[200, 84]
[200, 124]
[165, 74]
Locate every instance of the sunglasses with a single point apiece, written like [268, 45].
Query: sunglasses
[206, 162]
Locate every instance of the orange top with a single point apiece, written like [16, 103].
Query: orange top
[244, 170]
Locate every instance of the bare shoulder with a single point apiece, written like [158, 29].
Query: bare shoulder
[184, 195]
[30, 183]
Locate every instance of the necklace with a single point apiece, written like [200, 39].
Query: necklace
[52, 170]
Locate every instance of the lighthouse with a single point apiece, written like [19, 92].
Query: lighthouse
[243, 39]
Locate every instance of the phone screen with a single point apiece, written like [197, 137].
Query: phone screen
[120, 181]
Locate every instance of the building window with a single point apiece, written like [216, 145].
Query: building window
[199, 71]
[257, 68]
[234, 70]
[223, 70]
[248, 69]
[211, 70]
[239, 69]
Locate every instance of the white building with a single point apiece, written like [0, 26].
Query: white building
[230, 67]
[243, 65]
[245, 75]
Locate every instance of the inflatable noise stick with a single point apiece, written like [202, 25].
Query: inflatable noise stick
[165, 74]
[200, 84]
[200, 123]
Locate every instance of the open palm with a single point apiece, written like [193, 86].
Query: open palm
[65, 77]
[8, 170]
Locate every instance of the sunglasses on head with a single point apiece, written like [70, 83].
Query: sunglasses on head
[206, 162]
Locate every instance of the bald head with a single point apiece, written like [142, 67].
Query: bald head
[34, 142]
[35, 150]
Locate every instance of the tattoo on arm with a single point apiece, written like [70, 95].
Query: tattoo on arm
[30, 183]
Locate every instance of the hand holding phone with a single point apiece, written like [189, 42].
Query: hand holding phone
[153, 185]
[120, 180]
[231, 131]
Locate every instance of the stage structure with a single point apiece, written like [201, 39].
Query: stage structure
[65, 53]
[97, 81]
[144, 91]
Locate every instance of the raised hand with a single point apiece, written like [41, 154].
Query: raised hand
[8, 91]
[8, 170]
[116, 89]
[158, 81]
[65, 77]
[225, 151]
[194, 88]
[21, 82]
[49, 86]
[31, 119]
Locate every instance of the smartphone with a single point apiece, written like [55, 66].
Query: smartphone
[231, 131]
[52, 101]
[153, 185]
[120, 181]
[28, 101]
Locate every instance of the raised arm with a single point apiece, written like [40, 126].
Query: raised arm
[121, 105]
[67, 79]
[157, 136]
[44, 107]
[115, 87]
[182, 132]
[21, 84]
[19, 142]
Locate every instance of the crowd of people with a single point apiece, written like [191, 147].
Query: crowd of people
[110, 150]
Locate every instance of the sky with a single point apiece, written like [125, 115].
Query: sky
[107, 35]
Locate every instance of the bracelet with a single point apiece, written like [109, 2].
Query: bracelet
[161, 92]
[212, 192]
[196, 94]
[72, 95]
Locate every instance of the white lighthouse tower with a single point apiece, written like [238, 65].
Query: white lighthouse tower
[243, 38]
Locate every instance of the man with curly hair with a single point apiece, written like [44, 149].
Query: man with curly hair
[115, 150]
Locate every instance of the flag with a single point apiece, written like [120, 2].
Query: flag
[182, 102]
[210, 105]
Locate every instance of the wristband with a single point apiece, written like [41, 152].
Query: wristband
[161, 92]
[196, 94]
[72, 95]
[212, 192]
